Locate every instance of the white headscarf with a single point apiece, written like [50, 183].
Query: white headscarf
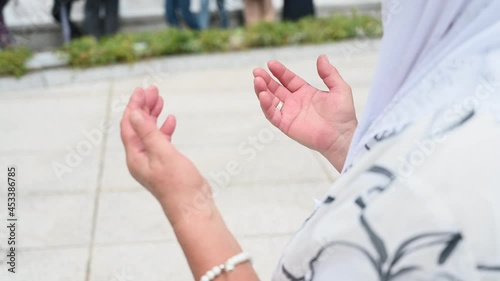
[420, 36]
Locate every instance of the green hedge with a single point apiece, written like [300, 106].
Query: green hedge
[13, 61]
[87, 52]
[130, 47]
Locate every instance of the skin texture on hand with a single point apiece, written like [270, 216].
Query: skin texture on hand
[324, 121]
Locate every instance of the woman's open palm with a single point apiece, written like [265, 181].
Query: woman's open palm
[321, 120]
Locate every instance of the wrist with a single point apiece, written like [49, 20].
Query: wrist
[187, 207]
[336, 153]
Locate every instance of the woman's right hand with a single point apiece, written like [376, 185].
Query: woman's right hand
[324, 121]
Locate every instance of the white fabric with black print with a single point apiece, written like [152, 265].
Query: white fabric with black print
[419, 195]
[422, 205]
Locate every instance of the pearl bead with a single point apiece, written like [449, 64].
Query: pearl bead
[204, 278]
[210, 275]
[229, 267]
[216, 270]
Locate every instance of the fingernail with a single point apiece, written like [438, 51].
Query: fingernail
[326, 57]
[136, 117]
[138, 93]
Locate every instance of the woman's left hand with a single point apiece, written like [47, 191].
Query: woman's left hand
[152, 159]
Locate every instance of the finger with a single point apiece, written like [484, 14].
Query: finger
[152, 139]
[329, 74]
[158, 107]
[268, 104]
[151, 98]
[288, 79]
[136, 102]
[270, 82]
[274, 87]
[168, 126]
[259, 85]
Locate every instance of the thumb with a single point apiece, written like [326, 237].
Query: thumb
[147, 131]
[329, 74]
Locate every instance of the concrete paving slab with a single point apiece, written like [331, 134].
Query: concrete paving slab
[96, 88]
[48, 172]
[130, 217]
[268, 209]
[49, 265]
[275, 163]
[139, 261]
[135, 216]
[54, 221]
[165, 261]
[52, 123]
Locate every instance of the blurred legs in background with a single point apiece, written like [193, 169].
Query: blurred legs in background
[205, 14]
[61, 12]
[258, 10]
[173, 7]
[6, 39]
[97, 25]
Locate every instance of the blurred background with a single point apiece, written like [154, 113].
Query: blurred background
[63, 89]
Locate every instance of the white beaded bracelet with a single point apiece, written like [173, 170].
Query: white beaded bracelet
[226, 267]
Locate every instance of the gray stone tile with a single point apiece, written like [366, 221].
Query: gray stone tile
[165, 261]
[51, 123]
[99, 88]
[268, 209]
[139, 261]
[219, 127]
[54, 171]
[136, 216]
[11, 84]
[203, 120]
[53, 221]
[115, 175]
[130, 217]
[258, 163]
[68, 264]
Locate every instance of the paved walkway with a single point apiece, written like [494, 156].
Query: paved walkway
[83, 218]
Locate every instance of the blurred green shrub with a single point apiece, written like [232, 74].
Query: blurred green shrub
[13, 61]
[130, 47]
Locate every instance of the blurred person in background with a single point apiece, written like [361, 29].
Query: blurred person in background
[61, 12]
[256, 11]
[101, 17]
[205, 14]
[6, 39]
[175, 7]
[296, 9]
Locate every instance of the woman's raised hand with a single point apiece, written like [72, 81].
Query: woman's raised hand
[152, 159]
[321, 120]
